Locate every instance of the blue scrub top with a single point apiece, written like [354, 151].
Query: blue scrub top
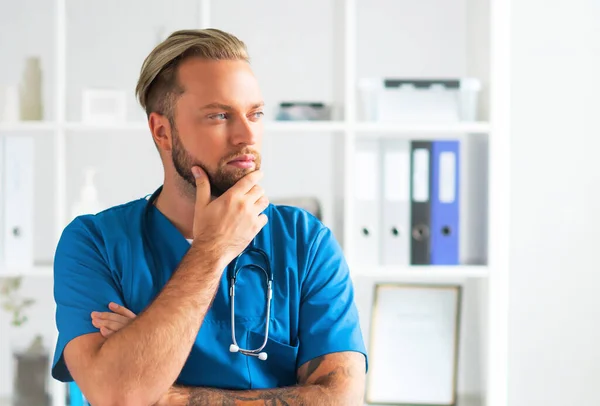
[102, 258]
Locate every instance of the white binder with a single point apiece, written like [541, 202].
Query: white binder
[18, 194]
[366, 200]
[395, 199]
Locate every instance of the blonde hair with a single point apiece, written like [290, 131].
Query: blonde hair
[157, 88]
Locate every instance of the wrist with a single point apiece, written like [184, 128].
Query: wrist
[178, 395]
[207, 256]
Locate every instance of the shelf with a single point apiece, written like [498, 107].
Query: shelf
[276, 126]
[304, 126]
[36, 270]
[427, 272]
[24, 126]
[363, 129]
[436, 129]
[131, 126]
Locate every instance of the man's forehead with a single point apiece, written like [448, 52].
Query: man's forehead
[198, 70]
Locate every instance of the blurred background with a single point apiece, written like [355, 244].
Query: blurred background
[449, 144]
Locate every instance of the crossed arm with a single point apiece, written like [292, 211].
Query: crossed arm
[332, 379]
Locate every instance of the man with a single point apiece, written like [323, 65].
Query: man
[167, 263]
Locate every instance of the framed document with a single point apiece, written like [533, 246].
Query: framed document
[413, 346]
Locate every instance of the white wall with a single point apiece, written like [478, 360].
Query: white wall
[555, 202]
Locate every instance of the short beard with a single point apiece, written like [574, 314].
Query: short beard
[220, 180]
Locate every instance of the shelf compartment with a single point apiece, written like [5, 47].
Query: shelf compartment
[378, 128]
[27, 126]
[42, 270]
[426, 272]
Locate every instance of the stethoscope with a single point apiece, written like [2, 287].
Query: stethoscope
[234, 347]
[232, 273]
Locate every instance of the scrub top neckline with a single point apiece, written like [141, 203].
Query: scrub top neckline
[164, 229]
[165, 218]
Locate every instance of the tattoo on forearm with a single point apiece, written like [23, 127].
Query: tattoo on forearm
[313, 365]
[328, 380]
[336, 373]
[281, 397]
[276, 397]
[341, 371]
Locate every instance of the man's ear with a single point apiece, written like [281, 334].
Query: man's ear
[160, 127]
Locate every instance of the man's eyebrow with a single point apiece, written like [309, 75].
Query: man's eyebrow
[217, 106]
[226, 107]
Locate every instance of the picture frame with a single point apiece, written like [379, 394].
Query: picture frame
[104, 106]
[414, 344]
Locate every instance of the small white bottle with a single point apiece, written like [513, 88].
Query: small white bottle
[88, 197]
[10, 104]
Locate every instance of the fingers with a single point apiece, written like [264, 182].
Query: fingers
[122, 310]
[244, 185]
[202, 187]
[262, 221]
[255, 193]
[111, 324]
[262, 203]
[256, 197]
[111, 316]
[106, 332]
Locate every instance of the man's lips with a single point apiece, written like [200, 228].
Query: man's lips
[243, 161]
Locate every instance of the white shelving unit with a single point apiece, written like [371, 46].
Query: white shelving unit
[362, 129]
[492, 277]
[45, 271]
[425, 272]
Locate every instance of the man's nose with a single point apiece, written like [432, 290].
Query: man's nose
[244, 132]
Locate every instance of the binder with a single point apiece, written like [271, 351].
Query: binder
[420, 205]
[18, 161]
[395, 201]
[445, 203]
[76, 397]
[366, 199]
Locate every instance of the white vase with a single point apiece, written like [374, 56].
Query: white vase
[31, 90]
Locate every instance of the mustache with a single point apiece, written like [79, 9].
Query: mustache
[244, 151]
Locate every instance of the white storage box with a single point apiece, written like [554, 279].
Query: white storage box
[422, 100]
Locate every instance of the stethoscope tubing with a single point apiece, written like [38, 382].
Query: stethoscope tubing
[269, 294]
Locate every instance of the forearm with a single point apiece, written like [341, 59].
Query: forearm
[317, 395]
[145, 358]
[332, 379]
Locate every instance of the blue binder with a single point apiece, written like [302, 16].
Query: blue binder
[445, 202]
[76, 397]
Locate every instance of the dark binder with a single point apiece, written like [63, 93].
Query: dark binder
[420, 202]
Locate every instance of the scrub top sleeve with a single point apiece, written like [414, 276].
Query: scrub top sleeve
[329, 320]
[83, 283]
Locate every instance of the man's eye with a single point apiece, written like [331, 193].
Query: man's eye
[259, 114]
[219, 116]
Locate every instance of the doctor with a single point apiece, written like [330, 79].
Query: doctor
[170, 261]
